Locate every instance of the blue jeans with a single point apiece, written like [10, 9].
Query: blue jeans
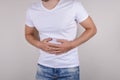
[48, 73]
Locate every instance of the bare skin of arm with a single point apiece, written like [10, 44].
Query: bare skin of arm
[90, 31]
[31, 35]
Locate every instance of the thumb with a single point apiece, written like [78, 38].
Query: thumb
[47, 39]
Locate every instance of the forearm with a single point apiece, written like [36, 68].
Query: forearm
[85, 36]
[33, 40]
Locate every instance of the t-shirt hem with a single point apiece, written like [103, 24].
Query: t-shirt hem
[59, 66]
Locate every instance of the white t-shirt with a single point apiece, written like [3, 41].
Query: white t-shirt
[57, 23]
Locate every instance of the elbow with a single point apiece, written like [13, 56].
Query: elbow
[26, 36]
[94, 31]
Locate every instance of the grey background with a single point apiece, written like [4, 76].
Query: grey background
[99, 57]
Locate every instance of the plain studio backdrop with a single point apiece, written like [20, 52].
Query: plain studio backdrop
[99, 57]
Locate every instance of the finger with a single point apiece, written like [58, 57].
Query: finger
[53, 45]
[55, 49]
[56, 52]
[48, 49]
[47, 39]
[51, 51]
[61, 40]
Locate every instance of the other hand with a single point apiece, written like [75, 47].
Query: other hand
[65, 46]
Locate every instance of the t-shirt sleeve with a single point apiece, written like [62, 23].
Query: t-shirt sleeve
[28, 20]
[81, 13]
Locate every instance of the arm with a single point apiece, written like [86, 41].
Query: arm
[90, 31]
[31, 35]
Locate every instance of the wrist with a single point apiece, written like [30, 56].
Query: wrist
[39, 44]
[73, 44]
